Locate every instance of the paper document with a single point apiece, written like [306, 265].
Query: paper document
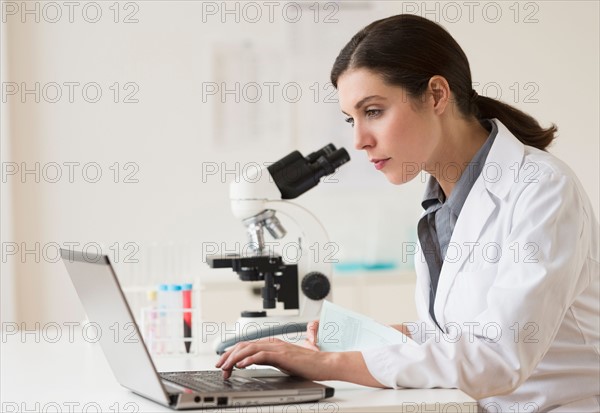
[341, 329]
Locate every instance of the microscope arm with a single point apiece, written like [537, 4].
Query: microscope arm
[313, 258]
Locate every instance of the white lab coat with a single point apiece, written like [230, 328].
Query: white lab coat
[518, 294]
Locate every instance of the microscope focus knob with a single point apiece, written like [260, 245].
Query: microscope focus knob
[315, 285]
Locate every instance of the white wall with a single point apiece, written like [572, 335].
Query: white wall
[173, 133]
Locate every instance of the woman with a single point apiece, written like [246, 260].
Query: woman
[508, 274]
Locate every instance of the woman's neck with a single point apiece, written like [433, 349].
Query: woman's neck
[460, 142]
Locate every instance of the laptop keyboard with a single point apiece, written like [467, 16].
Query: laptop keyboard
[212, 381]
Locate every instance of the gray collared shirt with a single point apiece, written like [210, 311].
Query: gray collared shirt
[436, 226]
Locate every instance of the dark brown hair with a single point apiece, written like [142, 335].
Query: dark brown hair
[407, 50]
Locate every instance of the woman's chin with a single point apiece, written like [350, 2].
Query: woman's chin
[398, 179]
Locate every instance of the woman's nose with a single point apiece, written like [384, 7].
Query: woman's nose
[362, 138]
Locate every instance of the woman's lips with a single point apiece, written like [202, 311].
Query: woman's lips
[380, 163]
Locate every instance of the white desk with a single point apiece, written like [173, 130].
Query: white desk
[73, 376]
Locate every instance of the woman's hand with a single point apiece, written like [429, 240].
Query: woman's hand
[296, 360]
[311, 336]
[304, 360]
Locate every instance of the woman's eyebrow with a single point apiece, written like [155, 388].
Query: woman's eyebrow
[363, 101]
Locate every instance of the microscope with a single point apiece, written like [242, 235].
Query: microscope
[301, 286]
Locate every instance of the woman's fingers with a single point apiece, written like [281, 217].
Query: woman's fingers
[260, 357]
[241, 351]
[311, 332]
[311, 343]
[312, 329]
[224, 357]
[288, 357]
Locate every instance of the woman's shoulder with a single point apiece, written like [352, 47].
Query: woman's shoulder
[543, 171]
[545, 162]
[532, 171]
[530, 164]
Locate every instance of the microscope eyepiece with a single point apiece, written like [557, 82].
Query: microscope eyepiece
[338, 158]
[295, 174]
[326, 150]
[327, 164]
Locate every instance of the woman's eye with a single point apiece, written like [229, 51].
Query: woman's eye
[372, 113]
[369, 113]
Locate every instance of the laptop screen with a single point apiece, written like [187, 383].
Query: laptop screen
[112, 323]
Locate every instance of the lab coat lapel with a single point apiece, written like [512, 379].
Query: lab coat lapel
[423, 284]
[467, 229]
[476, 211]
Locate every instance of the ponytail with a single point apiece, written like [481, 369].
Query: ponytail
[407, 50]
[523, 126]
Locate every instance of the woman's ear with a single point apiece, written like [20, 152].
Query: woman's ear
[439, 88]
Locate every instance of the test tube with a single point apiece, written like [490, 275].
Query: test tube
[163, 305]
[186, 290]
[151, 321]
[175, 317]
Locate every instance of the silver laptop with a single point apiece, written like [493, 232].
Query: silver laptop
[100, 293]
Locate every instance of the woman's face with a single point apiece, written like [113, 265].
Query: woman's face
[400, 138]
